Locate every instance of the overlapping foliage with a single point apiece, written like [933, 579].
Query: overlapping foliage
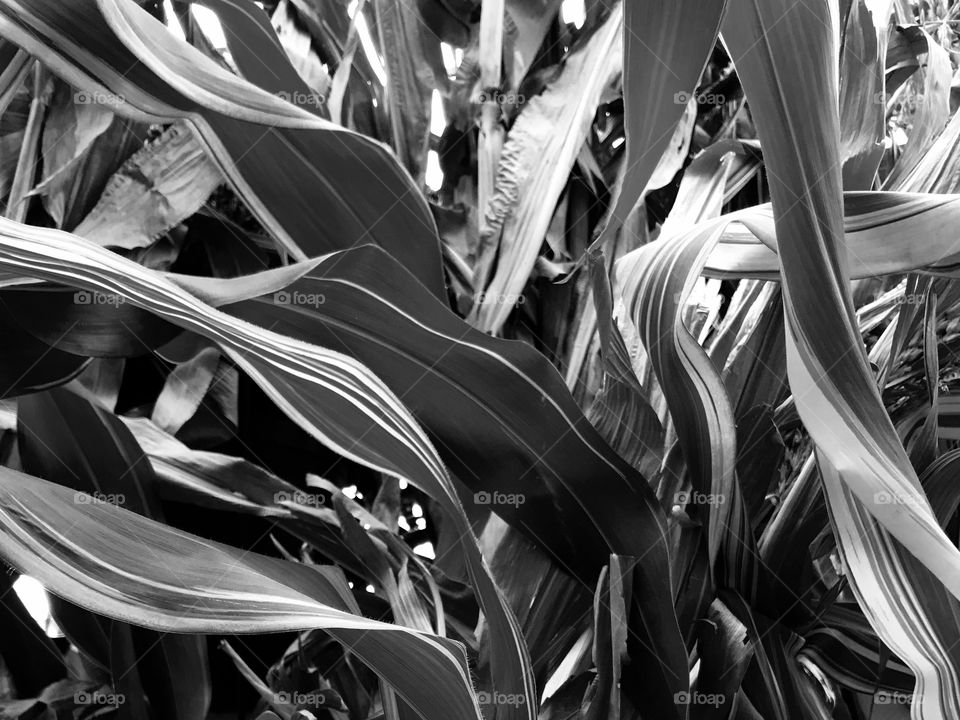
[478, 361]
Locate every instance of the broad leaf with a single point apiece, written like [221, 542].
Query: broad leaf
[284, 161]
[157, 188]
[666, 44]
[903, 568]
[334, 398]
[186, 584]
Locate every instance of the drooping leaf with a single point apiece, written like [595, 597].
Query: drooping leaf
[725, 653]
[65, 439]
[410, 79]
[666, 45]
[333, 397]
[160, 186]
[879, 232]
[70, 130]
[536, 160]
[284, 161]
[512, 395]
[321, 306]
[186, 584]
[862, 77]
[185, 389]
[900, 563]
[657, 280]
[928, 120]
[258, 52]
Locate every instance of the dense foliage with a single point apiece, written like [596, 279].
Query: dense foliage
[500, 360]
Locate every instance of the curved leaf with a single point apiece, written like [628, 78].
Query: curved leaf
[336, 399]
[140, 571]
[533, 170]
[903, 569]
[284, 161]
[526, 434]
[258, 53]
[157, 188]
[880, 232]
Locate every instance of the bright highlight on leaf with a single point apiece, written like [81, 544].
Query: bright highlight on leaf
[480, 361]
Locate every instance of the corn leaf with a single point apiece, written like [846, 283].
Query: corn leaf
[438, 364]
[902, 567]
[880, 231]
[537, 157]
[334, 398]
[283, 160]
[258, 52]
[666, 45]
[156, 189]
[65, 439]
[410, 79]
[928, 120]
[139, 571]
[862, 77]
